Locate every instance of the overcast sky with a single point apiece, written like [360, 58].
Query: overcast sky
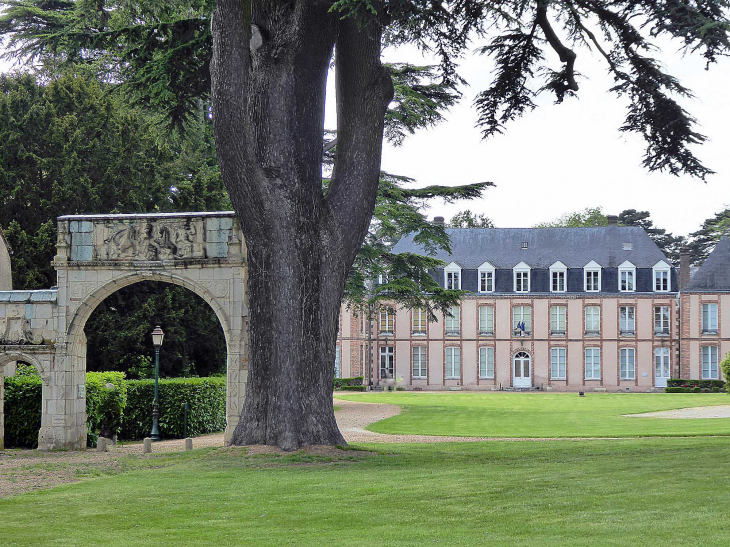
[564, 158]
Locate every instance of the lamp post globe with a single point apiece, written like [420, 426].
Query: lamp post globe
[157, 337]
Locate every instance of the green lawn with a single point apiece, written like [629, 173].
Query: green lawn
[621, 492]
[542, 414]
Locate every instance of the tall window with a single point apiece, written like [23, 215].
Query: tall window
[592, 277]
[593, 319]
[557, 319]
[661, 319]
[419, 362]
[387, 320]
[453, 320]
[626, 280]
[522, 281]
[627, 319]
[661, 280]
[337, 362]
[419, 321]
[453, 281]
[522, 320]
[452, 276]
[628, 363]
[557, 363]
[558, 281]
[593, 363]
[486, 363]
[453, 363]
[387, 362]
[486, 281]
[709, 318]
[486, 319]
[709, 363]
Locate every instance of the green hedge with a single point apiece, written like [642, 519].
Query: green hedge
[22, 410]
[702, 384]
[125, 410]
[353, 388]
[695, 389]
[206, 397]
[341, 382]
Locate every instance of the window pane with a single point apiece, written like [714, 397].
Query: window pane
[557, 363]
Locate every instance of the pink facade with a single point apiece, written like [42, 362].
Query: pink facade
[551, 355]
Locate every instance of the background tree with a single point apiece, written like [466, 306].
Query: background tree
[68, 147]
[702, 242]
[269, 65]
[669, 244]
[467, 219]
[590, 216]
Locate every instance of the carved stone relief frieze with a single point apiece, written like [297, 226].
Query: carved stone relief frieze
[143, 239]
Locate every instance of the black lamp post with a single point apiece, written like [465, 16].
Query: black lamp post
[157, 336]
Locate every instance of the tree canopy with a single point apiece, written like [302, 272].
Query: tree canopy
[161, 51]
[467, 219]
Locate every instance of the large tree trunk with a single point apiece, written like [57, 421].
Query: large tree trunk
[268, 110]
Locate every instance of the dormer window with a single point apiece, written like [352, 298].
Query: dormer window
[627, 277]
[558, 277]
[521, 276]
[662, 280]
[486, 278]
[452, 277]
[592, 277]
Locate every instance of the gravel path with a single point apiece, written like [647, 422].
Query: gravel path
[694, 413]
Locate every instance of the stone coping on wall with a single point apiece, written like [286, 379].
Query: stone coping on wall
[48, 295]
[124, 216]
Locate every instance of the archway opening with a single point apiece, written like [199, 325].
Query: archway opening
[114, 335]
[118, 333]
[20, 401]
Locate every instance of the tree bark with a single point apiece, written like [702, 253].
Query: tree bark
[268, 110]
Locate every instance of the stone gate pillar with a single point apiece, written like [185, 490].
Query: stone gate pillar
[63, 419]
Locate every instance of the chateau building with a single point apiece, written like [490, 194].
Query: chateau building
[564, 309]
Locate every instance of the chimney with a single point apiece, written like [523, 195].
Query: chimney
[683, 268]
[612, 220]
[438, 221]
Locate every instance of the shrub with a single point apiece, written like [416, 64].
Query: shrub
[725, 367]
[400, 388]
[104, 405]
[125, 410]
[356, 381]
[353, 388]
[704, 384]
[22, 410]
[206, 397]
[695, 389]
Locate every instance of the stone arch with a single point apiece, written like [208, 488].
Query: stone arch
[89, 304]
[74, 342]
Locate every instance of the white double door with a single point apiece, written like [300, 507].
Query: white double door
[521, 370]
[661, 367]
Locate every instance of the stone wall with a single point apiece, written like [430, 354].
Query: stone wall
[98, 255]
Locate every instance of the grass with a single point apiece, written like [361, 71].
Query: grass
[542, 414]
[625, 492]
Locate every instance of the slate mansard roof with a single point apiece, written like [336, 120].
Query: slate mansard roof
[714, 274]
[574, 247]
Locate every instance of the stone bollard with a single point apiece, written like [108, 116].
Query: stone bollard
[188, 444]
[101, 444]
[147, 446]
